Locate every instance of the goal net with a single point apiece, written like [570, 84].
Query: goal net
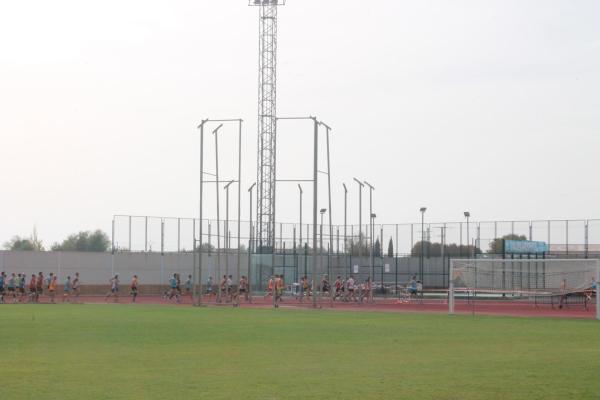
[540, 281]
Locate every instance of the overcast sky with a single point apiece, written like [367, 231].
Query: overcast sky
[490, 106]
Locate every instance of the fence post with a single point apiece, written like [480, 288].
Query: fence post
[598, 289]
[451, 290]
[587, 241]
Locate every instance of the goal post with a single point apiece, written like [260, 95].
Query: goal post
[540, 281]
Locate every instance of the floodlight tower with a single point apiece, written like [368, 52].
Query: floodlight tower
[267, 122]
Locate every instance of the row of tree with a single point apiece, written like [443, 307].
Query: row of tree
[98, 241]
[93, 241]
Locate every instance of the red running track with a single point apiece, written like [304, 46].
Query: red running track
[481, 307]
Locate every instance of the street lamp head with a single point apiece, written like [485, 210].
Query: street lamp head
[300, 188]
[423, 209]
[228, 184]
[252, 187]
[369, 185]
[359, 182]
[202, 123]
[467, 214]
[373, 215]
[323, 210]
[217, 129]
[345, 188]
[325, 125]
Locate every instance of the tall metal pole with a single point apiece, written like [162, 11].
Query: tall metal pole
[198, 290]
[227, 237]
[598, 289]
[178, 235]
[328, 129]
[315, 208]
[250, 244]
[129, 245]
[421, 266]
[371, 232]
[218, 268]
[469, 253]
[239, 216]
[300, 189]
[345, 216]
[267, 122]
[360, 187]
[321, 244]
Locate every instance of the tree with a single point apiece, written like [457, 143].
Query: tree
[496, 244]
[377, 248]
[390, 252]
[96, 241]
[354, 248]
[206, 248]
[451, 250]
[19, 243]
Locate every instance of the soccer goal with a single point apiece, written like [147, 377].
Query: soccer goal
[554, 283]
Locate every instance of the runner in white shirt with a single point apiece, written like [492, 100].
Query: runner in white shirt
[350, 284]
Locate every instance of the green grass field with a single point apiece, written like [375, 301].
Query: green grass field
[162, 352]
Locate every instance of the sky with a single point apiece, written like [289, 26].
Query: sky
[486, 106]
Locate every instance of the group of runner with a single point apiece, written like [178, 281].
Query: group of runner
[19, 289]
[175, 288]
[229, 292]
[343, 289]
[174, 291]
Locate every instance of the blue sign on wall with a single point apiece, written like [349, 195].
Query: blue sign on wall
[524, 247]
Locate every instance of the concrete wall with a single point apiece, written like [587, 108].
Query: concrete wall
[97, 268]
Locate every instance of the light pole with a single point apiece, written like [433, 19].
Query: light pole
[198, 297]
[372, 274]
[250, 243]
[421, 267]
[322, 211]
[239, 121]
[345, 215]
[226, 188]
[371, 227]
[216, 134]
[300, 194]
[360, 187]
[467, 216]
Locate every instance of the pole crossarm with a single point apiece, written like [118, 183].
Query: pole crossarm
[222, 181]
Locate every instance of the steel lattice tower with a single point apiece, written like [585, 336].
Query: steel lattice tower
[267, 123]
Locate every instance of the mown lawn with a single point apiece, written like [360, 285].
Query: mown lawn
[163, 352]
